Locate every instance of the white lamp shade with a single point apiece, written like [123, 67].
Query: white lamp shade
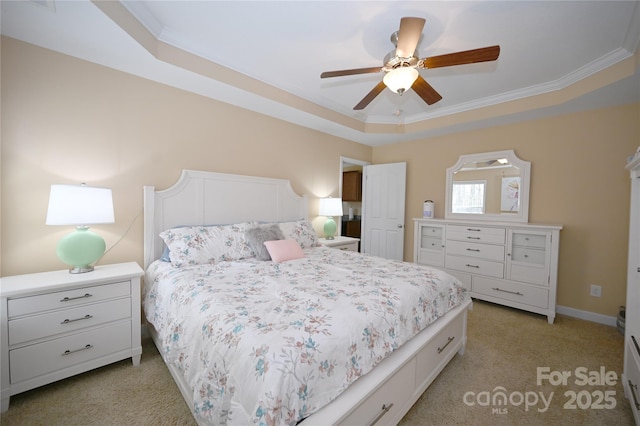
[330, 207]
[400, 78]
[79, 205]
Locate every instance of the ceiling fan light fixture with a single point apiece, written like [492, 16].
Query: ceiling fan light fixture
[400, 79]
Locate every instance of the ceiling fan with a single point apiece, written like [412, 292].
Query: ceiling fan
[401, 65]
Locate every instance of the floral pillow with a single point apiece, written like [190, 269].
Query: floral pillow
[302, 231]
[196, 245]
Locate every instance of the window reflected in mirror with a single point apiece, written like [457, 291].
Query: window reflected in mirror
[468, 196]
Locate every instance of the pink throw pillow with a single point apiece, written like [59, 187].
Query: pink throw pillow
[283, 250]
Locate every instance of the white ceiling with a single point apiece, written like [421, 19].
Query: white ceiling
[277, 50]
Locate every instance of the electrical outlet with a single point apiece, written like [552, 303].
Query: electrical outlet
[596, 290]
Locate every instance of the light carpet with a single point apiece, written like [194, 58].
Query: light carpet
[505, 348]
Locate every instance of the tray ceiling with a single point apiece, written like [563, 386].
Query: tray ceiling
[556, 56]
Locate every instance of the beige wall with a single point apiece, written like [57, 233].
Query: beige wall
[577, 180]
[68, 121]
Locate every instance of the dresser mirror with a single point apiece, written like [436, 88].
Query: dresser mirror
[492, 186]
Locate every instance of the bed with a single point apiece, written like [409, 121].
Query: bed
[313, 336]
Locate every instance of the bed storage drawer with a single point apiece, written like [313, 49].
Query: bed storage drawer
[439, 350]
[386, 400]
[36, 360]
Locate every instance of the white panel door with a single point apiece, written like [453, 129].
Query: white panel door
[383, 210]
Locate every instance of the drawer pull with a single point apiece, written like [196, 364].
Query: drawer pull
[473, 238]
[69, 351]
[69, 299]
[476, 250]
[67, 321]
[635, 342]
[385, 409]
[507, 291]
[474, 229]
[449, 340]
[472, 266]
[633, 388]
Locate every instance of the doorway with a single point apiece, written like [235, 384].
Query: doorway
[351, 195]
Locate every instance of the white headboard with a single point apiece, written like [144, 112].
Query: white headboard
[208, 198]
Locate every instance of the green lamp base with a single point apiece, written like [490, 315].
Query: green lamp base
[330, 228]
[81, 249]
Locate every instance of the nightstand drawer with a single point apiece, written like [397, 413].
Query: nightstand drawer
[347, 247]
[65, 299]
[39, 326]
[36, 360]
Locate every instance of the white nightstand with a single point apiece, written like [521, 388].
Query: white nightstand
[341, 243]
[56, 324]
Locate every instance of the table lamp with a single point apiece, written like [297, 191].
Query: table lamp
[330, 207]
[80, 205]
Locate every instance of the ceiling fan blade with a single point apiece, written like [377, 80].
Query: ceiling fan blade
[341, 73]
[425, 91]
[484, 54]
[370, 96]
[409, 36]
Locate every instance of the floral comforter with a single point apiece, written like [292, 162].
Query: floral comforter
[270, 343]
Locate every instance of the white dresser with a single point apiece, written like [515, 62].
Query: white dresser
[513, 264]
[631, 373]
[56, 324]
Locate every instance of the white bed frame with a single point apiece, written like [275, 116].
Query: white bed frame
[384, 394]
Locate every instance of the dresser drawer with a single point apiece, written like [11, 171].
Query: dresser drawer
[439, 349]
[535, 274]
[36, 360]
[478, 234]
[475, 266]
[393, 393]
[431, 243]
[632, 377]
[38, 326]
[431, 257]
[525, 294]
[64, 299]
[528, 255]
[432, 232]
[476, 250]
[529, 240]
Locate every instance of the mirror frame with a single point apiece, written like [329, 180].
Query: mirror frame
[524, 166]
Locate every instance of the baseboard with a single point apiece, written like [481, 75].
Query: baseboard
[586, 315]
